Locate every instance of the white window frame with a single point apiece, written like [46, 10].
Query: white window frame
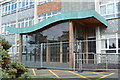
[26, 21]
[114, 36]
[10, 7]
[4, 13]
[20, 4]
[46, 16]
[14, 5]
[106, 4]
[3, 29]
[45, 1]
[22, 24]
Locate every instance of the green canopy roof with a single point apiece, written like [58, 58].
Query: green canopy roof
[59, 17]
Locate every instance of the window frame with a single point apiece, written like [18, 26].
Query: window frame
[108, 38]
[112, 15]
[43, 17]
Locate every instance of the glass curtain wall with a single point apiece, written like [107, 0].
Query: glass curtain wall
[53, 42]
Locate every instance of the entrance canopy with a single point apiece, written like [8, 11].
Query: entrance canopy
[87, 18]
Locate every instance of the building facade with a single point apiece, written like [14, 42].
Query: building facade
[52, 27]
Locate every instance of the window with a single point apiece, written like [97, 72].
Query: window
[106, 44]
[8, 7]
[26, 24]
[55, 52]
[118, 7]
[102, 3]
[119, 45]
[24, 4]
[110, 9]
[3, 10]
[112, 43]
[56, 12]
[5, 7]
[48, 15]
[109, 45]
[6, 32]
[42, 2]
[110, 0]
[103, 9]
[27, 4]
[30, 23]
[20, 4]
[13, 7]
[33, 22]
[31, 44]
[31, 3]
[4, 28]
[19, 25]
[22, 24]
[45, 1]
[14, 25]
[42, 17]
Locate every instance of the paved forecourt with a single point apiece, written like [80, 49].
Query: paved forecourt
[74, 74]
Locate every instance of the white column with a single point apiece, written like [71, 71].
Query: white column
[17, 13]
[117, 43]
[0, 19]
[97, 8]
[16, 35]
[98, 43]
[35, 12]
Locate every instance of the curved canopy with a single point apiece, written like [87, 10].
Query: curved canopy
[63, 16]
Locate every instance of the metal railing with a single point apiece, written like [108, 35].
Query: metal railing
[100, 61]
[85, 55]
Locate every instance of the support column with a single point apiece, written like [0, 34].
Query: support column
[117, 43]
[17, 37]
[98, 44]
[47, 52]
[61, 52]
[97, 6]
[20, 49]
[86, 46]
[70, 44]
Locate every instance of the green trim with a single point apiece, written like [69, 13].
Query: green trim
[59, 17]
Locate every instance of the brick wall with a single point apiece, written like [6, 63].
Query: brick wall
[49, 7]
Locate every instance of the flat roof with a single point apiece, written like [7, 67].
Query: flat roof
[79, 15]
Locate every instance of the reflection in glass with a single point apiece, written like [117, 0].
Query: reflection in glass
[111, 9]
[112, 43]
[118, 43]
[49, 41]
[118, 7]
[103, 9]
